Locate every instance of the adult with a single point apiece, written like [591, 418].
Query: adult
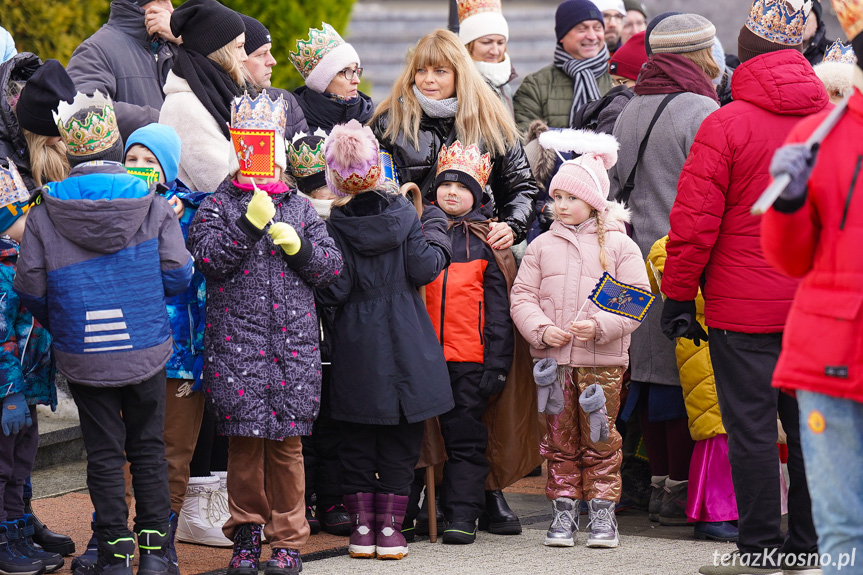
[578, 75]
[206, 77]
[484, 32]
[7, 45]
[332, 76]
[614, 17]
[635, 21]
[815, 40]
[124, 61]
[714, 243]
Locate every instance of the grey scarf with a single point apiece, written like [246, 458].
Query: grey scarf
[446, 108]
[585, 73]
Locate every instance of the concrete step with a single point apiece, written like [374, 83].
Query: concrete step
[59, 479]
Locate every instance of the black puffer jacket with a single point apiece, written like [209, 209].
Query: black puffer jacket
[12, 143]
[512, 185]
[321, 112]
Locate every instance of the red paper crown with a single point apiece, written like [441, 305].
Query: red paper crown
[468, 160]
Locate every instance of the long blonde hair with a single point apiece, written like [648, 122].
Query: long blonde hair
[482, 118]
[226, 57]
[704, 60]
[47, 163]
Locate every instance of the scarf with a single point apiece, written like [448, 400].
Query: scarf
[210, 84]
[272, 188]
[446, 108]
[322, 207]
[670, 73]
[323, 112]
[584, 73]
[498, 73]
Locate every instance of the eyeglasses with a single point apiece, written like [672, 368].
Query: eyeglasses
[349, 73]
[620, 81]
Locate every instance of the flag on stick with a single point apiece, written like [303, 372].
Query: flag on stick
[620, 298]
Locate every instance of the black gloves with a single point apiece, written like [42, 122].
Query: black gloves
[492, 383]
[679, 320]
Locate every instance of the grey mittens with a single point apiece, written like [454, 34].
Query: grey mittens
[592, 402]
[549, 395]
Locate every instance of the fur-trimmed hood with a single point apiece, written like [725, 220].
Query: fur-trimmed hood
[837, 77]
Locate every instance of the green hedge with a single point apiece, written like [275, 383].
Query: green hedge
[54, 28]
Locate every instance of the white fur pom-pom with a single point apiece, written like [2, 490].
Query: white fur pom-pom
[604, 146]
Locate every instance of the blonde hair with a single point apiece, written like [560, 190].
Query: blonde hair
[469, 48]
[600, 236]
[47, 163]
[704, 59]
[481, 119]
[226, 57]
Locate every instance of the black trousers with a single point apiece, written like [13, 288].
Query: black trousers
[743, 365]
[120, 424]
[379, 458]
[465, 437]
[321, 452]
[17, 455]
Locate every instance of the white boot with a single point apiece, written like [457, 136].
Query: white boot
[223, 489]
[204, 512]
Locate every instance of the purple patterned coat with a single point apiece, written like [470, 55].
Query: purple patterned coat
[262, 368]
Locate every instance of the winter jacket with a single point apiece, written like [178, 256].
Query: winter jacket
[322, 112]
[547, 95]
[601, 115]
[652, 354]
[714, 239]
[512, 185]
[120, 61]
[387, 361]
[696, 369]
[12, 143]
[468, 302]
[99, 254]
[557, 275]
[262, 374]
[820, 243]
[26, 361]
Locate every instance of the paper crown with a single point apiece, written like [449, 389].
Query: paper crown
[779, 21]
[841, 53]
[310, 52]
[850, 14]
[468, 160]
[12, 187]
[260, 113]
[468, 8]
[307, 160]
[96, 133]
[356, 183]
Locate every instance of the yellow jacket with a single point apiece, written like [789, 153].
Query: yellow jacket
[696, 371]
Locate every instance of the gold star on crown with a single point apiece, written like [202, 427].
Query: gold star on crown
[779, 21]
[841, 53]
[468, 8]
[468, 160]
[310, 52]
[850, 13]
[96, 133]
[260, 113]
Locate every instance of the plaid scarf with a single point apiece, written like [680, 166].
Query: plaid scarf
[585, 74]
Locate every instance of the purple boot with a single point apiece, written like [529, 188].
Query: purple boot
[247, 550]
[361, 509]
[391, 509]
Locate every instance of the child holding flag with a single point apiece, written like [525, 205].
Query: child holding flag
[551, 308]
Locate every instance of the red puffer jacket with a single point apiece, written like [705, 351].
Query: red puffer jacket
[821, 242]
[713, 239]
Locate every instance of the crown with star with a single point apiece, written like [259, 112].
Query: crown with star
[98, 130]
[260, 113]
[468, 160]
[468, 8]
[779, 21]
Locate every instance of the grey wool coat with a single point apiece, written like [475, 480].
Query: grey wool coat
[262, 364]
[652, 356]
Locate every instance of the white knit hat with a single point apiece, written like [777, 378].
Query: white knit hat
[322, 56]
[585, 177]
[478, 18]
[609, 5]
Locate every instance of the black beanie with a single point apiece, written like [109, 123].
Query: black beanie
[857, 45]
[206, 25]
[817, 10]
[463, 178]
[651, 25]
[571, 13]
[256, 34]
[40, 97]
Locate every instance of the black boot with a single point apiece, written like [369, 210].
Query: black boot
[12, 562]
[47, 539]
[25, 546]
[153, 545]
[498, 517]
[114, 556]
[408, 529]
[173, 519]
[91, 554]
[422, 523]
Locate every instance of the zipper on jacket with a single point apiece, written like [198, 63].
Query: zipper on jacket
[443, 303]
[479, 325]
[851, 191]
[191, 331]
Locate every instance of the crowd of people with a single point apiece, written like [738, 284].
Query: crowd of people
[285, 312]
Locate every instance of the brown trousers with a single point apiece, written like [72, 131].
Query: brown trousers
[183, 417]
[267, 485]
[577, 467]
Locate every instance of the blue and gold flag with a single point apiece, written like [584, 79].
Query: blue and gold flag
[616, 297]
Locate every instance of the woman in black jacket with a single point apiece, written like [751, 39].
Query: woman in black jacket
[440, 97]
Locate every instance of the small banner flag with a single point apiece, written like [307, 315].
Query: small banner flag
[256, 152]
[389, 167]
[149, 175]
[616, 297]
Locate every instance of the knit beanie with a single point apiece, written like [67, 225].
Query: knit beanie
[611, 6]
[478, 18]
[206, 25]
[629, 58]
[256, 34]
[773, 25]
[14, 197]
[89, 129]
[353, 160]
[165, 144]
[40, 97]
[653, 24]
[681, 34]
[465, 165]
[585, 177]
[636, 5]
[322, 56]
[307, 162]
[571, 13]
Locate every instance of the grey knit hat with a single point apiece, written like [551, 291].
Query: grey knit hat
[681, 34]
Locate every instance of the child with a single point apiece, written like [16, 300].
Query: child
[26, 380]
[389, 373]
[262, 374]
[99, 255]
[469, 307]
[559, 271]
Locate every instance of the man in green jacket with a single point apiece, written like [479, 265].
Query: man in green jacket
[578, 75]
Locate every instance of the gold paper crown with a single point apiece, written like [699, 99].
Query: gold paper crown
[841, 53]
[468, 160]
[356, 183]
[779, 21]
[260, 113]
[12, 187]
[310, 52]
[307, 160]
[96, 133]
[468, 8]
[850, 13]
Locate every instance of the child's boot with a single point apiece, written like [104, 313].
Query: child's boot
[361, 510]
[284, 562]
[564, 525]
[498, 518]
[391, 509]
[154, 546]
[25, 546]
[115, 556]
[204, 512]
[673, 509]
[47, 539]
[12, 562]
[657, 491]
[603, 524]
[173, 518]
[91, 554]
[247, 550]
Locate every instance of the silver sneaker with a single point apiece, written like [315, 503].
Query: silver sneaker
[603, 524]
[564, 526]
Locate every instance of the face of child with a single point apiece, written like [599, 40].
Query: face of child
[16, 230]
[569, 209]
[323, 193]
[139, 156]
[259, 180]
[454, 198]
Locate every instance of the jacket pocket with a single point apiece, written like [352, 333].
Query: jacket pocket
[830, 322]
